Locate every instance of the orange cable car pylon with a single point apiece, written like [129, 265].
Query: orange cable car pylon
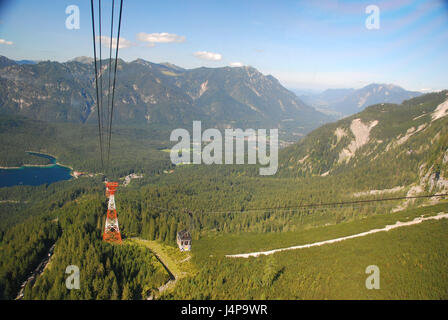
[111, 230]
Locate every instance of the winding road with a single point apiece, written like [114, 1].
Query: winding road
[34, 274]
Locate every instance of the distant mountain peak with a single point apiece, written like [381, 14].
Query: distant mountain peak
[142, 61]
[251, 69]
[350, 101]
[5, 62]
[82, 59]
[172, 66]
[272, 78]
[21, 62]
[381, 86]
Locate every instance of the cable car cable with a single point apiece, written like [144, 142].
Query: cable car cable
[114, 82]
[96, 84]
[305, 206]
[110, 64]
[100, 77]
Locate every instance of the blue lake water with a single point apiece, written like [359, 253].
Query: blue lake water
[34, 176]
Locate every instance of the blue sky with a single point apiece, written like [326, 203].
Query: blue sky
[305, 44]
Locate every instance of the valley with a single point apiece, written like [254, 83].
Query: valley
[223, 159]
[345, 102]
[326, 200]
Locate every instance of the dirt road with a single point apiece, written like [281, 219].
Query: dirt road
[398, 224]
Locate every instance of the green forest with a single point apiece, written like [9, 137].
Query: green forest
[228, 209]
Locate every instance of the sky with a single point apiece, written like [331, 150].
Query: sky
[312, 45]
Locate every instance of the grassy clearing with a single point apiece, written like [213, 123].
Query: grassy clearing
[177, 262]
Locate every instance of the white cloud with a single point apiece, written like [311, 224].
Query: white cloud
[123, 42]
[162, 37]
[205, 55]
[3, 41]
[236, 64]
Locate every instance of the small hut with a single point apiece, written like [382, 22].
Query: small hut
[184, 240]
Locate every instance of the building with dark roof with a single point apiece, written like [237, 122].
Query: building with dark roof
[184, 240]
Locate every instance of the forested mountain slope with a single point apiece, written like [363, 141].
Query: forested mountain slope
[412, 136]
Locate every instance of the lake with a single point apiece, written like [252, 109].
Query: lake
[34, 175]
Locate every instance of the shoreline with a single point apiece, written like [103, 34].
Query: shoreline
[55, 163]
[50, 155]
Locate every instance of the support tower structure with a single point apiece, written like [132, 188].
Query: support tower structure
[111, 229]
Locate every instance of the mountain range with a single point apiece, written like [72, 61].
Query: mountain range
[153, 94]
[344, 102]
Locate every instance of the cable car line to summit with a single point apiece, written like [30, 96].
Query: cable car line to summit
[96, 85]
[115, 78]
[112, 232]
[111, 229]
[100, 76]
[110, 64]
[328, 204]
[105, 113]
